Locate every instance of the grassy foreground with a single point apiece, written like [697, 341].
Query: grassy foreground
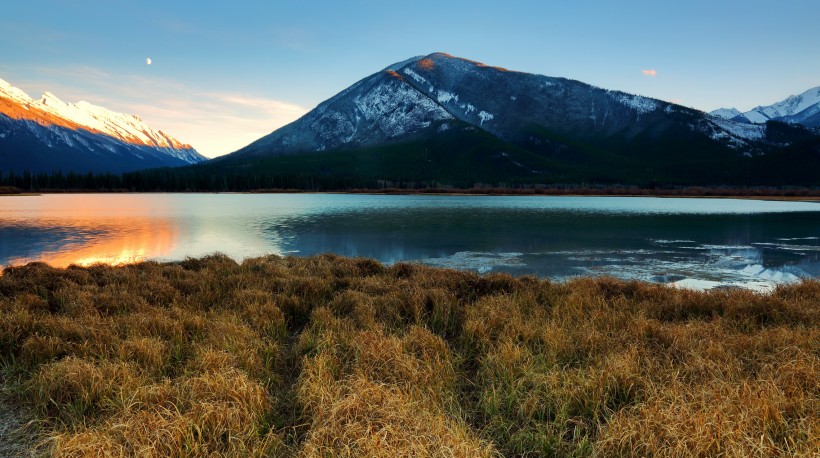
[328, 356]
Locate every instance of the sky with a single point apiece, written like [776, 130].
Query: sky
[223, 74]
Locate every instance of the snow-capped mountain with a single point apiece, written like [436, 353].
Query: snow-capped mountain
[799, 109]
[421, 95]
[725, 113]
[48, 134]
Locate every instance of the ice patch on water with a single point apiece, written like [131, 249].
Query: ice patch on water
[787, 247]
[477, 261]
[754, 277]
[725, 247]
[776, 276]
[696, 284]
[720, 266]
[587, 254]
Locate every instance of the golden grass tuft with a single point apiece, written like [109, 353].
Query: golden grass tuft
[370, 419]
[329, 356]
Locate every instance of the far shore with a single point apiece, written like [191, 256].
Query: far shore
[788, 195]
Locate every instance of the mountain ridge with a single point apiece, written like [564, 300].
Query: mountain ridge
[803, 109]
[56, 135]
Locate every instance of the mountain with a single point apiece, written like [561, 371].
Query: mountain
[440, 119]
[48, 134]
[798, 109]
[725, 113]
[411, 96]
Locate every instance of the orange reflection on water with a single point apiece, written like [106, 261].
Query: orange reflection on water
[119, 235]
[120, 245]
[142, 242]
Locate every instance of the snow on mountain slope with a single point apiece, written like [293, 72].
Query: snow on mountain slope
[124, 127]
[128, 128]
[378, 108]
[736, 133]
[794, 109]
[792, 105]
[639, 103]
[83, 128]
[725, 113]
[14, 94]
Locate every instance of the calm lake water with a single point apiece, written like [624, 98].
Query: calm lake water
[697, 243]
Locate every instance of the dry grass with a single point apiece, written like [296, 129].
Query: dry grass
[327, 356]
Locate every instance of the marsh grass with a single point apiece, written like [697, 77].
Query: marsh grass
[328, 356]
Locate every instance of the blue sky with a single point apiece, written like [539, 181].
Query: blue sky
[226, 73]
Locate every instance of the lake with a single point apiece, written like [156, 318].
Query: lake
[698, 243]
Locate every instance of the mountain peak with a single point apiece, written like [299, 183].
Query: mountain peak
[442, 55]
[725, 113]
[48, 98]
[398, 65]
[17, 95]
[428, 62]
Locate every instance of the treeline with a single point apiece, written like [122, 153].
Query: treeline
[59, 181]
[180, 180]
[185, 180]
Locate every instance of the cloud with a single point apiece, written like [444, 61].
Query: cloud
[653, 73]
[275, 108]
[217, 123]
[213, 122]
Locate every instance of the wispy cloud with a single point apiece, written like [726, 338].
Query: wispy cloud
[652, 72]
[292, 38]
[276, 108]
[214, 122]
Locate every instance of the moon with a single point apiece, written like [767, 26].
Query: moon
[148, 60]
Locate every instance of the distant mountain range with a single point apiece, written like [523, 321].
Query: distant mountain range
[440, 119]
[799, 109]
[48, 135]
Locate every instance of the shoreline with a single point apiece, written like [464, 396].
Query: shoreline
[686, 284]
[463, 193]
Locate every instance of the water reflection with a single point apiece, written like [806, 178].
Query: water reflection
[115, 229]
[113, 242]
[84, 230]
[681, 241]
